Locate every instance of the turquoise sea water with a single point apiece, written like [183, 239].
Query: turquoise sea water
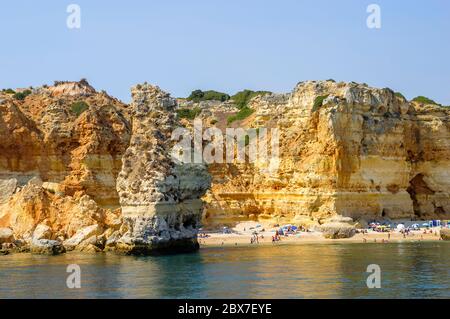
[408, 270]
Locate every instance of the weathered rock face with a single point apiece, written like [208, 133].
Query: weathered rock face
[363, 153]
[69, 136]
[160, 197]
[47, 247]
[81, 170]
[6, 235]
[61, 151]
[338, 228]
[445, 234]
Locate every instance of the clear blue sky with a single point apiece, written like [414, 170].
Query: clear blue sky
[227, 45]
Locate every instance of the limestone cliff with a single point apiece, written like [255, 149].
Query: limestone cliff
[160, 197]
[345, 149]
[61, 150]
[81, 170]
[68, 135]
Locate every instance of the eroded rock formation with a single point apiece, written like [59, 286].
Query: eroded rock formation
[345, 149]
[82, 170]
[160, 197]
[61, 151]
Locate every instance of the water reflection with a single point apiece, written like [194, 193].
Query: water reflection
[417, 270]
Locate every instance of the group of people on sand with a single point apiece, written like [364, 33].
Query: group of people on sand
[255, 238]
[405, 233]
[276, 237]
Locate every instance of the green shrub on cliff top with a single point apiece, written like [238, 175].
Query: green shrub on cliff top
[79, 107]
[424, 100]
[9, 91]
[398, 94]
[241, 115]
[199, 95]
[242, 98]
[22, 95]
[189, 114]
[318, 102]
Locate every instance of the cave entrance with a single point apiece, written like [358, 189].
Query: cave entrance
[417, 186]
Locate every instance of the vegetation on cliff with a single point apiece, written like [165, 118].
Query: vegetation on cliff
[22, 95]
[189, 114]
[241, 115]
[242, 98]
[318, 102]
[424, 100]
[79, 107]
[199, 95]
[400, 95]
[8, 91]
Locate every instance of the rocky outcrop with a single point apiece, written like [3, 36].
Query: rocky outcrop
[338, 228]
[87, 234]
[60, 154]
[445, 234]
[83, 171]
[160, 197]
[42, 232]
[7, 189]
[345, 149]
[61, 151]
[47, 247]
[6, 235]
[69, 136]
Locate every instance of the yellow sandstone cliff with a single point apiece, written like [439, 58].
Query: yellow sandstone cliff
[81, 170]
[345, 149]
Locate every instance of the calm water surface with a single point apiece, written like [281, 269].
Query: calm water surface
[409, 270]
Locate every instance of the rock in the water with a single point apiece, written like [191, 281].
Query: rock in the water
[81, 236]
[112, 240]
[42, 232]
[94, 241]
[47, 247]
[445, 234]
[160, 196]
[90, 248]
[6, 235]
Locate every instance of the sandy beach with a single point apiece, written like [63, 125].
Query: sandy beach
[243, 233]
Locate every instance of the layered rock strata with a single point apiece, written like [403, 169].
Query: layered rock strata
[345, 149]
[160, 196]
[80, 170]
[61, 150]
[60, 153]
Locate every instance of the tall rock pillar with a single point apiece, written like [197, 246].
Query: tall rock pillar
[160, 197]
